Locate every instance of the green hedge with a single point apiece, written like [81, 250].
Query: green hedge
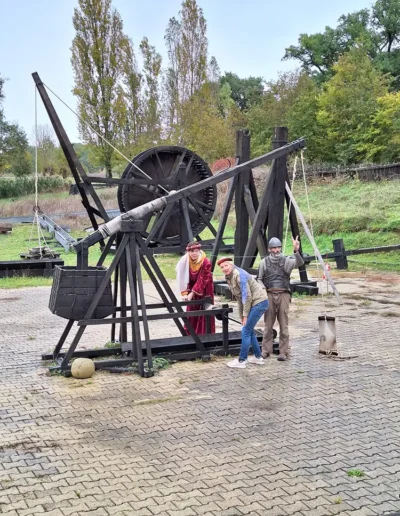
[20, 186]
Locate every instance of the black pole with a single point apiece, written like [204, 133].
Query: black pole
[242, 215]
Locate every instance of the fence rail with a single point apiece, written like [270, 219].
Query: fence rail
[366, 173]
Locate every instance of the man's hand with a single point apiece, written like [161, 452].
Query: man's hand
[296, 244]
[244, 321]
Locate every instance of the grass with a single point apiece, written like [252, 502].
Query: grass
[363, 214]
[355, 473]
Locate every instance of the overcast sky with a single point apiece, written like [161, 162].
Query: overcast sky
[247, 38]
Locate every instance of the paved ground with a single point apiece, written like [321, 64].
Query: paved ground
[201, 438]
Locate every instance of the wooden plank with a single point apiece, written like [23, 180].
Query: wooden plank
[277, 198]
[150, 317]
[242, 215]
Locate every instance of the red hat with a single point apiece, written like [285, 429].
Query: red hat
[191, 247]
[225, 259]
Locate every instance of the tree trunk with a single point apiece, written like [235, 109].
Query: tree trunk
[109, 171]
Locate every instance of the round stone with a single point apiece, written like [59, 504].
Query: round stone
[82, 368]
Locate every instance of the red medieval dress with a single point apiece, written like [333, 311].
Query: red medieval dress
[201, 284]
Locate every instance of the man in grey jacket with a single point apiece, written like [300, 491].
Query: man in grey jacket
[274, 274]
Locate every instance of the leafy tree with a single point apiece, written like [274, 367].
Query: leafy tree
[1, 92]
[187, 48]
[203, 129]
[13, 143]
[51, 159]
[302, 117]
[386, 21]
[382, 141]
[151, 98]
[132, 84]
[21, 164]
[346, 106]
[244, 92]
[318, 53]
[98, 50]
[278, 99]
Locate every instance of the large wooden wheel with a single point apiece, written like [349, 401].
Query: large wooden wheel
[160, 170]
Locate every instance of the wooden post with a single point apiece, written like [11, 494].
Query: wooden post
[278, 176]
[242, 216]
[338, 247]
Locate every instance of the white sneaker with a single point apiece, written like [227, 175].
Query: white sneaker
[255, 360]
[236, 363]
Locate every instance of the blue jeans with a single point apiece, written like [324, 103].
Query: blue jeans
[248, 334]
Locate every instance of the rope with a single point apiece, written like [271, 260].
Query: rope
[311, 226]
[290, 203]
[40, 235]
[102, 137]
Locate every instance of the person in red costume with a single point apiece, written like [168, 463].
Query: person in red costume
[195, 281]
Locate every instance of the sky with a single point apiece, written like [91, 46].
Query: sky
[247, 37]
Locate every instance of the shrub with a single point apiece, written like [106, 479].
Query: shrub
[26, 185]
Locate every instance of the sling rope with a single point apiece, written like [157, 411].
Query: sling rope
[36, 221]
[311, 226]
[290, 204]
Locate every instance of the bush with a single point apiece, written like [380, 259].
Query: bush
[26, 185]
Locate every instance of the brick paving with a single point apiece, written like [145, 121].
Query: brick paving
[200, 438]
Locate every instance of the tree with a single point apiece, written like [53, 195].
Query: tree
[382, 141]
[151, 99]
[386, 21]
[318, 53]
[302, 118]
[21, 164]
[277, 101]
[13, 143]
[187, 48]
[346, 106]
[98, 50]
[132, 84]
[378, 30]
[50, 157]
[1, 93]
[244, 92]
[203, 129]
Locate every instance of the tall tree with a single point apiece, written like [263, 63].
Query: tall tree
[151, 99]
[98, 50]
[132, 84]
[187, 47]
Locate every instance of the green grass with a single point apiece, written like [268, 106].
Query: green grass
[23, 238]
[355, 473]
[363, 214]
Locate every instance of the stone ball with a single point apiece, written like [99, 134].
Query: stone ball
[82, 368]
